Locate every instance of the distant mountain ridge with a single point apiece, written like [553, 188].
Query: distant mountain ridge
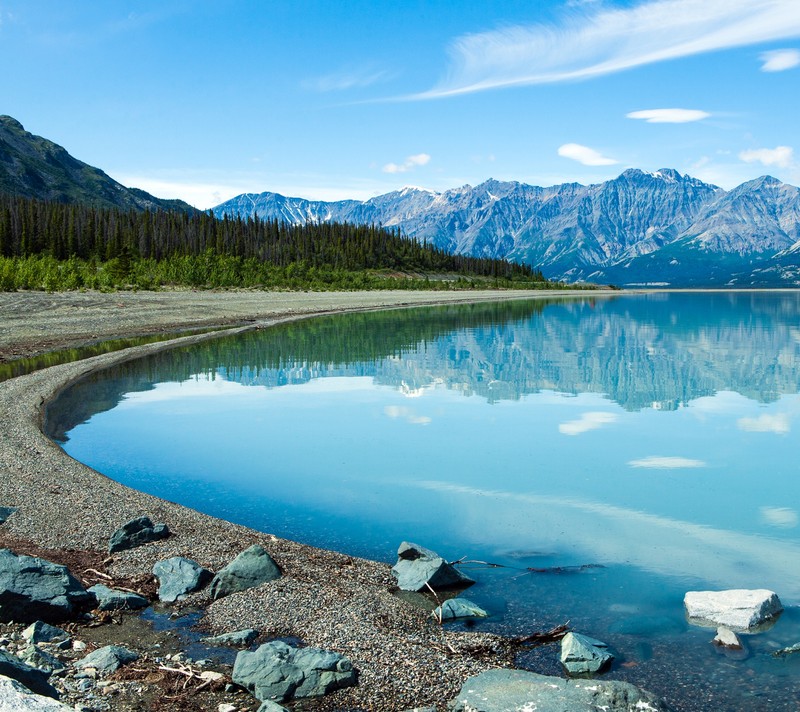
[35, 167]
[641, 227]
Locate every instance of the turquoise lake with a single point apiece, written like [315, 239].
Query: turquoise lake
[646, 444]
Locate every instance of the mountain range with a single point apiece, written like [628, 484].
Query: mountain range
[34, 167]
[641, 228]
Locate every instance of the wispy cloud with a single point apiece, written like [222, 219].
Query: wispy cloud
[780, 156]
[781, 517]
[766, 423]
[598, 40]
[656, 462]
[780, 60]
[344, 80]
[584, 154]
[669, 116]
[412, 162]
[403, 413]
[587, 422]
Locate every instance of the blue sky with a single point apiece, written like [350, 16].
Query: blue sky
[204, 100]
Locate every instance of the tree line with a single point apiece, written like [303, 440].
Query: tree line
[76, 246]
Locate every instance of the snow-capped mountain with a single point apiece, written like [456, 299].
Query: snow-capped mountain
[641, 227]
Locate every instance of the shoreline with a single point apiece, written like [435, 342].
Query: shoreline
[327, 599]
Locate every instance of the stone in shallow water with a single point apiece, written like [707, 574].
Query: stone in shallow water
[111, 599]
[237, 639]
[454, 608]
[581, 654]
[518, 690]
[178, 577]
[738, 609]
[277, 671]
[726, 638]
[417, 568]
[135, 533]
[252, 567]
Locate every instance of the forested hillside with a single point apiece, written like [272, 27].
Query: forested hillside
[58, 246]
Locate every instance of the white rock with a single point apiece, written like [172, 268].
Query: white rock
[15, 697]
[225, 707]
[727, 639]
[211, 675]
[739, 609]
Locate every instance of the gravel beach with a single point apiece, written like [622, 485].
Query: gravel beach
[326, 599]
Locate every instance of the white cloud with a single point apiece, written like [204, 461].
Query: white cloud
[403, 413]
[656, 462]
[419, 159]
[781, 517]
[199, 194]
[781, 156]
[669, 116]
[780, 60]
[584, 154]
[766, 423]
[587, 422]
[601, 40]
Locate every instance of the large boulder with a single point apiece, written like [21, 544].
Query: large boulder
[112, 599]
[581, 654]
[33, 589]
[277, 671]
[107, 660]
[737, 609]
[454, 608]
[15, 697]
[252, 567]
[33, 678]
[135, 533]
[517, 690]
[178, 577]
[418, 568]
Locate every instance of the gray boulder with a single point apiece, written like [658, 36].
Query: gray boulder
[237, 639]
[5, 513]
[112, 599]
[33, 589]
[418, 567]
[41, 632]
[15, 697]
[581, 654]
[737, 609]
[252, 567]
[277, 671]
[135, 533]
[178, 577]
[38, 658]
[33, 678]
[458, 608]
[107, 660]
[516, 690]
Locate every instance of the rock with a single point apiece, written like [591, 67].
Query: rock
[35, 657]
[252, 567]
[581, 654]
[421, 709]
[212, 676]
[107, 660]
[5, 513]
[506, 690]
[226, 707]
[277, 671]
[112, 599]
[35, 680]
[270, 706]
[726, 638]
[783, 652]
[738, 609]
[418, 567]
[135, 533]
[178, 577]
[237, 639]
[458, 608]
[41, 632]
[33, 589]
[15, 697]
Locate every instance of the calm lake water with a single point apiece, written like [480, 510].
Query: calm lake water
[655, 438]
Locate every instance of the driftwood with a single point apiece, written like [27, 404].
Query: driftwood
[543, 637]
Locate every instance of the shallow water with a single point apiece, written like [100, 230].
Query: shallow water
[654, 436]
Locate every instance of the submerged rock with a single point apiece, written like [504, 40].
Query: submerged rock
[417, 568]
[252, 567]
[726, 638]
[738, 609]
[581, 654]
[108, 659]
[135, 533]
[178, 577]
[15, 697]
[33, 678]
[112, 599]
[237, 639]
[458, 608]
[33, 589]
[506, 690]
[783, 652]
[277, 671]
